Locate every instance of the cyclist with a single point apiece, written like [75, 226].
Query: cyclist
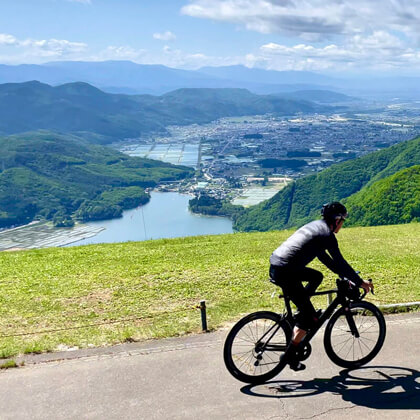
[288, 269]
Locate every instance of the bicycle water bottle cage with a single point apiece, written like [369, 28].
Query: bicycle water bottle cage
[348, 289]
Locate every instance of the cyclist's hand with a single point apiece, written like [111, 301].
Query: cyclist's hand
[367, 286]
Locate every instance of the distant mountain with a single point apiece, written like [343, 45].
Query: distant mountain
[301, 201]
[49, 176]
[320, 96]
[231, 102]
[272, 77]
[74, 107]
[130, 78]
[120, 76]
[81, 108]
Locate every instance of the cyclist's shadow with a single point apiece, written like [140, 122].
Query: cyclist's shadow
[386, 387]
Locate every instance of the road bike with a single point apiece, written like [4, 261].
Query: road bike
[353, 336]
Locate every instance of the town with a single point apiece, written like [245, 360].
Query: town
[248, 159]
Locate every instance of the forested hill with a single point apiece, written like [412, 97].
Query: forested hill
[302, 200]
[81, 108]
[392, 200]
[61, 177]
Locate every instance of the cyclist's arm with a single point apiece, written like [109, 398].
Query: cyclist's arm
[336, 263]
[328, 261]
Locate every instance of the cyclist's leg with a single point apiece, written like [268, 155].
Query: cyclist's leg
[291, 283]
[293, 287]
[314, 279]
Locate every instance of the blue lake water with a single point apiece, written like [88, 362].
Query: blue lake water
[165, 216]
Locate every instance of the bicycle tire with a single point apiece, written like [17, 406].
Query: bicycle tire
[241, 353]
[348, 351]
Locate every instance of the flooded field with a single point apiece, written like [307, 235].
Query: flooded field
[175, 153]
[253, 196]
[43, 235]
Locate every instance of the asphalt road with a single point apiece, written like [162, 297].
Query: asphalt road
[185, 378]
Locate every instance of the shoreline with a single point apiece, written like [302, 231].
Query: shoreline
[42, 234]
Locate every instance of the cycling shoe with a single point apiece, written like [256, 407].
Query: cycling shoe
[296, 365]
[293, 359]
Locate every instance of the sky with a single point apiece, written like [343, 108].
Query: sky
[325, 36]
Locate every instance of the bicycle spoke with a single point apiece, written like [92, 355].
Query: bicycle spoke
[252, 334]
[339, 351]
[246, 361]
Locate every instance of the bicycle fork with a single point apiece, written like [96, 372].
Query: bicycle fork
[350, 320]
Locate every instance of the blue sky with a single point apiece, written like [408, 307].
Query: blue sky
[317, 35]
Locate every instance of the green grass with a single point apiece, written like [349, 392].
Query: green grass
[9, 364]
[84, 293]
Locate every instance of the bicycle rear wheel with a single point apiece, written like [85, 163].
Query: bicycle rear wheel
[353, 338]
[254, 347]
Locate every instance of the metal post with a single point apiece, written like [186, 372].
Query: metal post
[203, 315]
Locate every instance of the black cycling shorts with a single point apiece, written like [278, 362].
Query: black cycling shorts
[290, 280]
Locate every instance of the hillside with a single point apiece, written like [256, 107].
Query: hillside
[301, 201]
[51, 176]
[75, 107]
[82, 109]
[111, 293]
[395, 199]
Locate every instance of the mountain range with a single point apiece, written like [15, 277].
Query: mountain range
[131, 78]
[103, 117]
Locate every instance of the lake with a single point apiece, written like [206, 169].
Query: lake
[166, 215]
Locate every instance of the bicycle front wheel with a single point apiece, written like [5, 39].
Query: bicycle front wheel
[253, 348]
[353, 338]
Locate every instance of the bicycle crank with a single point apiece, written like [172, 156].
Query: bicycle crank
[305, 352]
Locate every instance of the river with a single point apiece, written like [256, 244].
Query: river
[166, 215]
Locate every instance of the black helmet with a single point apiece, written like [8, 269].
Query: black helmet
[333, 211]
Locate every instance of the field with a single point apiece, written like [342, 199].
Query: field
[43, 235]
[103, 294]
[175, 153]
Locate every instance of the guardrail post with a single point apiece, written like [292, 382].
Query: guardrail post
[329, 298]
[203, 316]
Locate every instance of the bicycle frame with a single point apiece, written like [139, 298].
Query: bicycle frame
[339, 300]
[267, 345]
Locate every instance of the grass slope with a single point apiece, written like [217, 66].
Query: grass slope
[162, 281]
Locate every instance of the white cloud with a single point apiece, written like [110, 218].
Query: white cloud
[180, 59]
[316, 19]
[80, 1]
[165, 36]
[6, 39]
[120, 53]
[324, 34]
[33, 50]
[381, 51]
[54, 46]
